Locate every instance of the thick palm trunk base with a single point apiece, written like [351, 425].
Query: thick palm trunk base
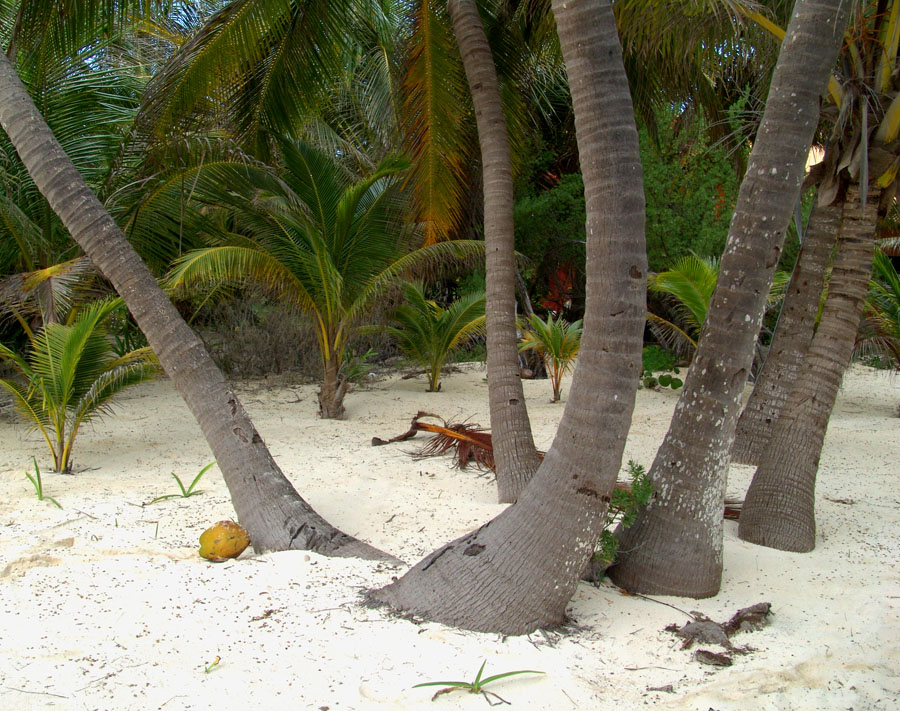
[779, 509]
[518, 572]
[331, 394]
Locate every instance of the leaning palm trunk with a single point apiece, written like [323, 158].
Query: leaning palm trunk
[266, 503]
[779, 510]
[791, 341]
[675, 546]
[519, 571]
[514, 449]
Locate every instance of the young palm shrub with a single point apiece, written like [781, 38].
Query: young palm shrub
[318, 238]
[428, 334]
[556, 341]
[688, 287]
[71, 375]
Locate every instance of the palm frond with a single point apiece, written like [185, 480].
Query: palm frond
[262, 65]
[433, 118]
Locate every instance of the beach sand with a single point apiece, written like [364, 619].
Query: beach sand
[105, 603]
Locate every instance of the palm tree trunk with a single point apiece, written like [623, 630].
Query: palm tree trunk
[779, 510]
[518, 572]
[514, 451]
[266, 503]
[792, 336]
[334, 388]
[675, 546]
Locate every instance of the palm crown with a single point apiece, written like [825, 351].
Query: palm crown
[321, 239]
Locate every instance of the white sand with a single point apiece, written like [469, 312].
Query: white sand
[106, 605]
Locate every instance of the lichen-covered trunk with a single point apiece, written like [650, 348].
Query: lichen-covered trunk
[791, 340]
[514, 451]
[779, 510]
[675, 546]
[519, 571]
[266, 503]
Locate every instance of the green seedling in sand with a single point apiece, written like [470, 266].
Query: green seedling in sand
[212, 666]
[477, 686]
[186, 492]
[38, 485]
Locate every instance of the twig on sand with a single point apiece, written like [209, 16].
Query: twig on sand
[41, 693]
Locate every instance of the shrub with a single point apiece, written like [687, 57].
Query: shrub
[71, 376]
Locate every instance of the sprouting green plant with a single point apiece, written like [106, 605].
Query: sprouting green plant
[355, 366]
[625, 503]
[71, 376]
[687, 286]
[429, 334]
[556, 341]
[477, 686]
[215, 663]
[38, 485]
[185, 491]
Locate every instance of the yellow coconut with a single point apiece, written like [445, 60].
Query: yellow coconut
[223, 541]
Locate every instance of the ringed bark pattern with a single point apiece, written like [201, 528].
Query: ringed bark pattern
[675, 546]
[779, 509]
[519, 571]
[514, 451]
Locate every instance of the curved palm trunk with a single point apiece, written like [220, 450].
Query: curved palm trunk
[675, 546]
[791, 341]
[779, 510]
[514, 451]
[266, 503]
[519, 571]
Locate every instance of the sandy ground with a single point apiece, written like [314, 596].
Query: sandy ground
[106, 605]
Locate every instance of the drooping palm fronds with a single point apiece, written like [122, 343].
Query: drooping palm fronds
[688, 288]
[257, 66]
[46, 295]
[70, 377]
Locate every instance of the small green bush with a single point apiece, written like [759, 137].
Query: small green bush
[656, 358]
[623, 509]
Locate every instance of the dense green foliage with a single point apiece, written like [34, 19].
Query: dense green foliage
[320, 238]
[691, 187]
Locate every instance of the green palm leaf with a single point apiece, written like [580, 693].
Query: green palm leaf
[428, 334]
[71, 374]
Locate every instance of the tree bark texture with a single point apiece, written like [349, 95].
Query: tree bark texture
[791, 340]
[514, 451]
[332, 391]
[779, 510]
[519, 571]
[675, 546]
[266, 503]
